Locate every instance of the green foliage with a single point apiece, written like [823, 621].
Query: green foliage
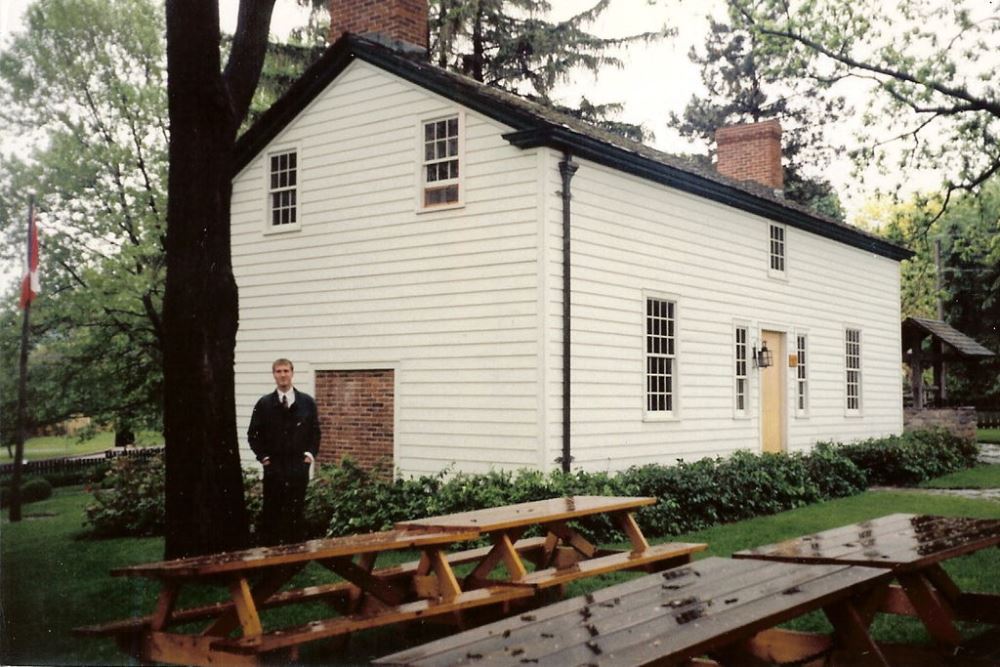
[930, 67]
[130, 498]
[511, 44]
[911, 458]
[83, 89]
[740, 91]
[33, 489]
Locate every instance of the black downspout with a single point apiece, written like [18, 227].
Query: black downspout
[566, 168]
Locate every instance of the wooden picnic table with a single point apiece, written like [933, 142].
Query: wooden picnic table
[258, 579]
[911, 547]
[718, 607]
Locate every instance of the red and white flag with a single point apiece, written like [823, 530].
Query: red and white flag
[30, 286]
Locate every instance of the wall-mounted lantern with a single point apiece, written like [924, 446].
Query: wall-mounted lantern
[762, 358]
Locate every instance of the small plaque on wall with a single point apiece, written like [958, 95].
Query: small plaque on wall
[793, 360]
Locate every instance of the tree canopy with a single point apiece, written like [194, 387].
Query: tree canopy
[739, 91]
[82, 98]
[930, 67]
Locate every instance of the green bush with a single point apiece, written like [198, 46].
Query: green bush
[130, 498]
[911, 458]
[33, 489]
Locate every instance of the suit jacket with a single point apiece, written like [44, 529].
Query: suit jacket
[284, 434]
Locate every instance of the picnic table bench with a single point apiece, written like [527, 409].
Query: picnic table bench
[717, 607]
[911, 547]
[233, 632]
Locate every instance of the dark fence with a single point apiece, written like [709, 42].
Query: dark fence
[64, 465]
[988, 419]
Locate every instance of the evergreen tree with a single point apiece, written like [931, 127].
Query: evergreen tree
[739, 93]
[509, 44]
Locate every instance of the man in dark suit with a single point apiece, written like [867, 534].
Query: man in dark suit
[284, 435]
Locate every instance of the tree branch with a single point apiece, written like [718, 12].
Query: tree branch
[247, 57]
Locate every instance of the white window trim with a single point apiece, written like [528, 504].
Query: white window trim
[270, 229]
[859, 411]
[420, 208]
[803, 413]
[745, 413]
[775, 273]
[674, 413]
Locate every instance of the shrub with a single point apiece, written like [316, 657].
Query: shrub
[130, 500]
[33, 489]
[911, 458]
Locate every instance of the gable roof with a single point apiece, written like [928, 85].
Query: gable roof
[537, 125]
[963, 345]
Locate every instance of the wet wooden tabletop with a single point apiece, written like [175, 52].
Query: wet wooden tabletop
[662, 618]
[896, 541]
[527, 514]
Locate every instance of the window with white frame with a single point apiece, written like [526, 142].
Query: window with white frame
[777, 252]
[801, 377]
[852, 365]
[661, 347]
[742, 379]
[441, 158]
[283, 188]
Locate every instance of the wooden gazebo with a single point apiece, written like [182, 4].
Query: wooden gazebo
[947, 344]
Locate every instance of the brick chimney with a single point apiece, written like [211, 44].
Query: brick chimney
[751, 152]
[402, 20]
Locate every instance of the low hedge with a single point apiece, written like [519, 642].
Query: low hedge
[345, 499]
[33, 489]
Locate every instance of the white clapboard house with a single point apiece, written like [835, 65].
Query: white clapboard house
[464, 278]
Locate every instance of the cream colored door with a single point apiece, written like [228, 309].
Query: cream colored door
[772, 389]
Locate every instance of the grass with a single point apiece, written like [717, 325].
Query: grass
[52, 578]
[54, 446]
[990, 435]
[980, 477]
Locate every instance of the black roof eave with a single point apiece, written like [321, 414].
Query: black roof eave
[531, 131]
[629, 162]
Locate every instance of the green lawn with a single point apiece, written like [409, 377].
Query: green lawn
[53, 446]
[980, 477]
[991, 435]
[52, 578]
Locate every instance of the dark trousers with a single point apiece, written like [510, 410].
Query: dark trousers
[283, 517]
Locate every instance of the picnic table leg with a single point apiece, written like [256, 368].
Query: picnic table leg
[572, 538]
[503, 549]
[932, 608]
[164, 605]
[245, 608]
[851, 632]
[264, 589]
[626, 521]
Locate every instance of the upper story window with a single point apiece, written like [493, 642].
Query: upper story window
[661, 348]
[777, 250]
[742, 380]
[852, 365]
[801, 376]
[283, 188]
[441, 151]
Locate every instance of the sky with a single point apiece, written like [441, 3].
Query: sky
[658, 77]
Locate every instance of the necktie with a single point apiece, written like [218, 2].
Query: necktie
[284, 401]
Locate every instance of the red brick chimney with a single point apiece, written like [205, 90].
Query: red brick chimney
[751, 152]
[403, 20]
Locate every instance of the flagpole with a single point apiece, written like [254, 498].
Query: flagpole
[22, 389]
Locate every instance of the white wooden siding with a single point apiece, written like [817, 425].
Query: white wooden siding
[447, 299]
[631, 235]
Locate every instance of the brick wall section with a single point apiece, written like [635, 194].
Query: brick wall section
[404, 20]
[960, 421]
[356, 416]
[751, 152]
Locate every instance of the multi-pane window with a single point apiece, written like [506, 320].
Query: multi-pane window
[660, 355]
[282, 188]
[852, 359]
[741, 370]
[441, 162]
[777, 248]
[801, 381]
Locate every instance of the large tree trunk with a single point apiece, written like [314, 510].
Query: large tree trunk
[204, 487]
